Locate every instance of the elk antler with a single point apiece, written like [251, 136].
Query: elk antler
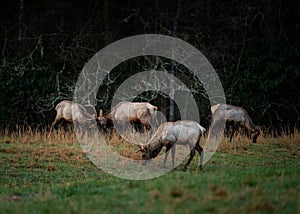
[140, 149]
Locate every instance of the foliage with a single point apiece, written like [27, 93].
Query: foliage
[253, 45]
[267, 86]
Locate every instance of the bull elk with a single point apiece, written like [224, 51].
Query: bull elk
[169, 134]
[234, 117]
[74, 113]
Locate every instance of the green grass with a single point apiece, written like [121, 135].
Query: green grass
[38, 176]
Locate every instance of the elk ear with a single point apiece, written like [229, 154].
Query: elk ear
[100, 112]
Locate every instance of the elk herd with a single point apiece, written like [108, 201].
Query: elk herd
[168, 134]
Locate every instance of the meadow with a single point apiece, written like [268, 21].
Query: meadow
[53, 175]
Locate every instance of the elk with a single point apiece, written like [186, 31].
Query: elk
[132, 112]
[234, 117]
[169, 134]
[74, 113]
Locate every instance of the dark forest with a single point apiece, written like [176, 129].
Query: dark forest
[253, 46]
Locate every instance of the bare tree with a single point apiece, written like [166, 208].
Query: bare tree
[175, 26]
[21, 27]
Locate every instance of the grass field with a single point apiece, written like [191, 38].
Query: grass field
[41, 175]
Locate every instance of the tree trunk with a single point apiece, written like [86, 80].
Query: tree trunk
[175, 26]
[21, 27]
[270, 22]
[107, 37]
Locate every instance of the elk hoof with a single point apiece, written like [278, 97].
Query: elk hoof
[201, 167]
[184, 169]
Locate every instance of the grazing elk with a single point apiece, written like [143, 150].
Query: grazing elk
[169, 134]
[132, 112]
[73, 113]
[234, 117]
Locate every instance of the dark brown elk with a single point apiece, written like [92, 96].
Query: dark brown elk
[73, 113]
[130, 112]
[169, 134]
[235, 118]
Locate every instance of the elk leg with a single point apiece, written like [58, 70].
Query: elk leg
[232, 133]
[132, 127]
[168, 147]
[192, 154]
[172, 147]
[201, 154]
[147, 126]
[53, 124]
[173, 155]
[255, 136]
[77, 128]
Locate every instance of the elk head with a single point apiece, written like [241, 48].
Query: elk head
[101, 119]
[146, 153]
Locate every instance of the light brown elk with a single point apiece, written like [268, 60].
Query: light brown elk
[74, 113]
[169, 134]
[130, 112]
[235, 117]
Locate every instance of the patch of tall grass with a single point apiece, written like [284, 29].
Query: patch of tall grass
[128, 144]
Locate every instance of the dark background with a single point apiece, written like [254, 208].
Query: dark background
[253, 45]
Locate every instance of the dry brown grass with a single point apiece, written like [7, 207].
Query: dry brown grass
[64, 145]
[243, 143]
[30, 136]
[32, 148]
